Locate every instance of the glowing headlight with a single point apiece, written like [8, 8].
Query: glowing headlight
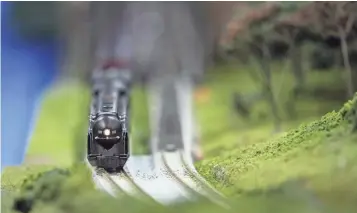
[106, 132]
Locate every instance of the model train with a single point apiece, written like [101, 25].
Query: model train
[108, 133]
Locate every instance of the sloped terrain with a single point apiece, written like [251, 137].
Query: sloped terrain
[316, 161]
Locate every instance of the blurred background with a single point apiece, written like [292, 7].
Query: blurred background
[28, 66]
[260, 68]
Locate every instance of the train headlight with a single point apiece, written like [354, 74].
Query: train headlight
[106, 132]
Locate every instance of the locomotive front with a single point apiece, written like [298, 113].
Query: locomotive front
[108, 142]
[107, 130]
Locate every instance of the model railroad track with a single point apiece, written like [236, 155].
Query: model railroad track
[105, 182]
[191, 180]
[172, 165]
[209, 191]
[170, 149]
[119, 184]
[205, 188]
[129, 179]
[176, 161]
[176, 169]
[184, 98]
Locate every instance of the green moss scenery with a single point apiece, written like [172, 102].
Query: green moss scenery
[306, 168]
[317, 159]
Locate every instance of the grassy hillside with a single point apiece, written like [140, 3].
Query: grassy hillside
[309, 168]
[318, 158]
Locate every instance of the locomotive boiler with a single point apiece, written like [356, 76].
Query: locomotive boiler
[108, 133]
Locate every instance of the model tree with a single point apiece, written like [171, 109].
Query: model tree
[337, 19]
[254, 35]
[292, 28]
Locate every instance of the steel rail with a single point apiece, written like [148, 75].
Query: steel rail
[211, 193]
[104, 182]
[184, 90]
[144, 196]
[189, 186]
[115, 184]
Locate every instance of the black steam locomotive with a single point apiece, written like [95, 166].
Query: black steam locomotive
[108, 134]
